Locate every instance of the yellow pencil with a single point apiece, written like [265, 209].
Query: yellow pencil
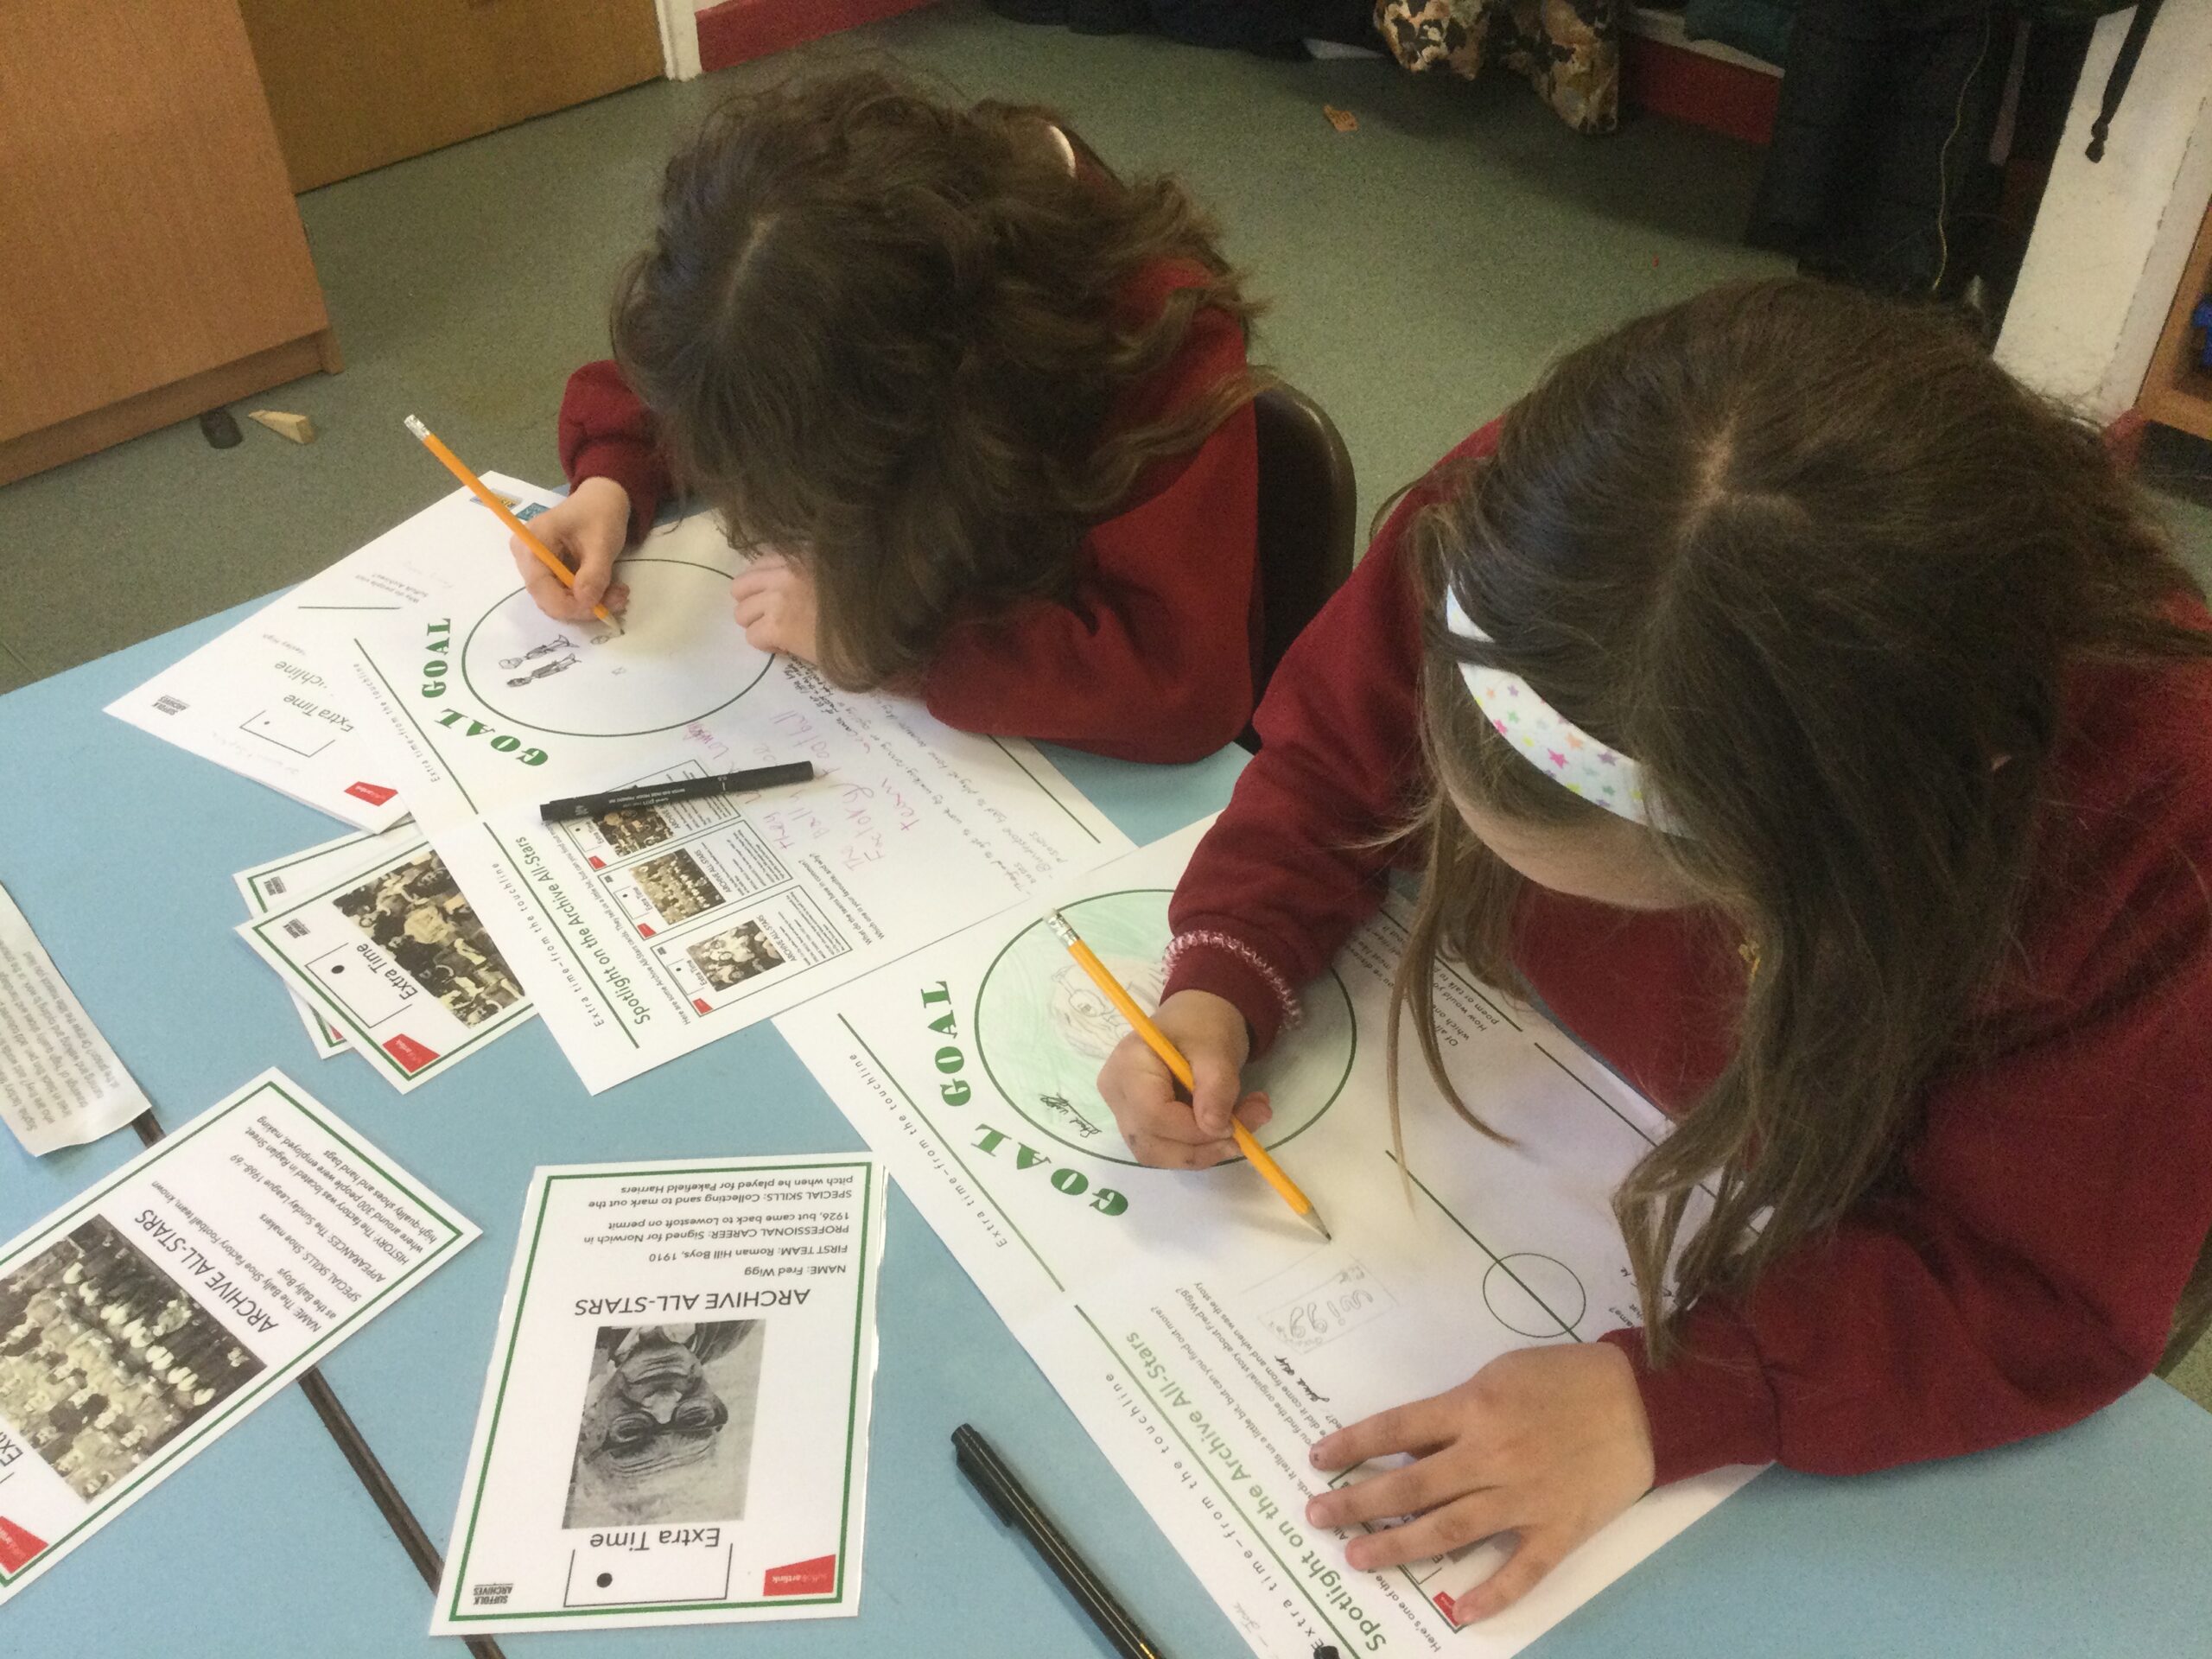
[1156, 1041]
[459, 468]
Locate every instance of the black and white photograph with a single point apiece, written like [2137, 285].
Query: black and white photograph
[666, 1431]
[417, 915]
[104, 1359]
[633, 829]
[675, 886]
[736, 955]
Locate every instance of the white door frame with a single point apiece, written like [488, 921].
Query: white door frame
[679, 36]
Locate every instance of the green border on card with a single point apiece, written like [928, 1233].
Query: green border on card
[457, 1562]
[156, 1467]
[260, 924]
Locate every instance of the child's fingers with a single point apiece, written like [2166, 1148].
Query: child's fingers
[1253, 1111]
[1138, 1088]
[549, 596]
[1217, 1092]
[594, 564]
[1406, 1491]
[1412, 1427]
[1539, 1552]
[1441, 1531]
[1159, 1153]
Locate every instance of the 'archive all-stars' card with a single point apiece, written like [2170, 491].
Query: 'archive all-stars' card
[675, 1424]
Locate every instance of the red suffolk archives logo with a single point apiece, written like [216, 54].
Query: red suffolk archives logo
[816, 1577]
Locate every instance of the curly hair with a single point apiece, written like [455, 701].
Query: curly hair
[891, 339]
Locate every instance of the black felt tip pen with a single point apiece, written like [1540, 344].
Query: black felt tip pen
[681, 789]
[988, 1473]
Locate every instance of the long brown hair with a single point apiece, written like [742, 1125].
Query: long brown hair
[1823, 569]
[891, 337]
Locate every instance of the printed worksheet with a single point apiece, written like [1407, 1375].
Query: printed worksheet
[268, 886]
[1201, 1332]
[60, 1084]
[643, 935]
[152, 1314]
[674, 1422]
[270, 699]
[394, 956]
[480, 701]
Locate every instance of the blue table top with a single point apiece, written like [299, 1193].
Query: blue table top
[120, 848]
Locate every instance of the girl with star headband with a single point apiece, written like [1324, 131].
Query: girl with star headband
[1808, 716]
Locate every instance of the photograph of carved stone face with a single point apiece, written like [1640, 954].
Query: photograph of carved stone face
[666, 1433]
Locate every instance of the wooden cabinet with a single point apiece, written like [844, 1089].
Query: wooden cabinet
[152, 260]
[354, 84]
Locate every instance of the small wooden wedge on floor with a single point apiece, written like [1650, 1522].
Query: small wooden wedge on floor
[298, 428]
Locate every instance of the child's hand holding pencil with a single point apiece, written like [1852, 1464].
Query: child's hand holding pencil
[556, 582]
[1163, 1129]
[587, 532]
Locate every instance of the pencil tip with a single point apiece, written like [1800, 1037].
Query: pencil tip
[1314, 1216]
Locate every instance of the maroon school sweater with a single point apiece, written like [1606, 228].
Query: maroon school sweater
[2025, 1270]
[1151, 658]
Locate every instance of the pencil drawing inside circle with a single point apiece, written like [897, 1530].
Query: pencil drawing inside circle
[1042, 1028]
[666, 1429]
[1535, 1295]
[679, 656]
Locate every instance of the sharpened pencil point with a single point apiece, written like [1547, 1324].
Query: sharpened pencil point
[1314, 1216]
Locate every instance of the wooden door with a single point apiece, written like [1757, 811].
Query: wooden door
[354, 84]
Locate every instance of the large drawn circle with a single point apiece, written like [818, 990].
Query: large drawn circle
[1535, 1295]
[680, 657]
[1043, 1029]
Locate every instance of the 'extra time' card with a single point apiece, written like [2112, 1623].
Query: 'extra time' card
[675, 1425]
[395, 959]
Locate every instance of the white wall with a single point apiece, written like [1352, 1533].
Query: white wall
[2111, 237]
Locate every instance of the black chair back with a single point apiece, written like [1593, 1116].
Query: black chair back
[1309, 507]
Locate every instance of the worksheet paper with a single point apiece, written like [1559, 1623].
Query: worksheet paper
[393, 954]
[152, 1314]
[1200, 1331]
[269, 699]
[278, 883]
[674, 1422]
[60, 1084]
[643, 934]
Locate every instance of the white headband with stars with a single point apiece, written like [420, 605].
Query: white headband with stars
[1547, 740]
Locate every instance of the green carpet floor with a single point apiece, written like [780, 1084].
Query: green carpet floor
[1421, 269]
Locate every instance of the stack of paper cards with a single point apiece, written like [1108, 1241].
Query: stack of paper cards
[381, 950]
